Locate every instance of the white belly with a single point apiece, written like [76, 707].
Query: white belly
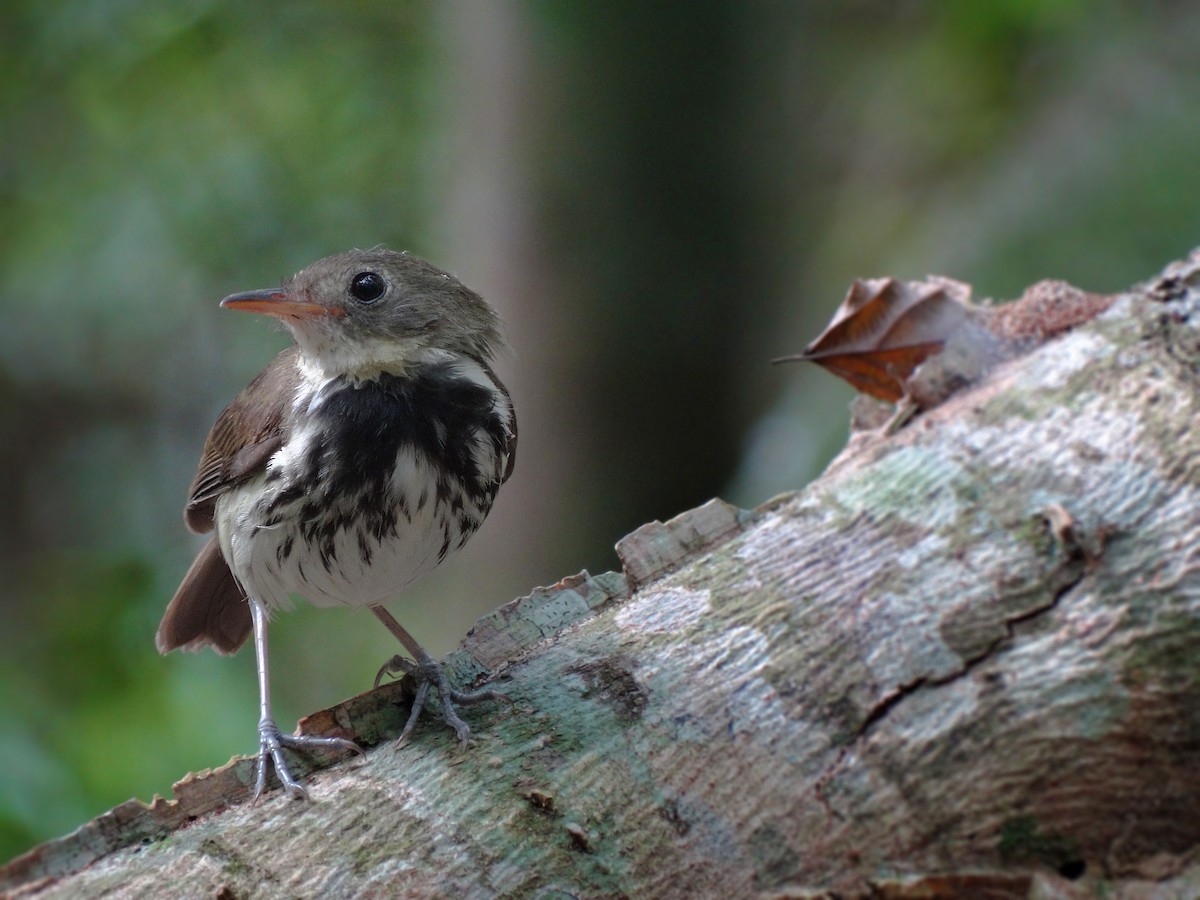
[347, 564]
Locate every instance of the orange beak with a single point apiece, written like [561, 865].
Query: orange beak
[279, 303]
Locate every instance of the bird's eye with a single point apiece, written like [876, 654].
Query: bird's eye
[367, 287]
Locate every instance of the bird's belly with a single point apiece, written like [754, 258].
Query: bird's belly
[359, 549]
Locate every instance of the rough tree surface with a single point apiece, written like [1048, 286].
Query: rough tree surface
[962, 663]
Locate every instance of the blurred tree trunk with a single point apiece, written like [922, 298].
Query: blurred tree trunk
[962, 663]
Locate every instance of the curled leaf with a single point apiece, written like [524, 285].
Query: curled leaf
[885, 328]
[923, 340]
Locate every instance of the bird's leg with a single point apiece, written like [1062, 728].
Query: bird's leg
[428, 673]
[271, 740]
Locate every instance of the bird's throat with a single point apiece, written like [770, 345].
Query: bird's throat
[326, 356]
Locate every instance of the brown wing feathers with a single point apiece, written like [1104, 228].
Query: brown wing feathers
[210, 607]
[244, 437]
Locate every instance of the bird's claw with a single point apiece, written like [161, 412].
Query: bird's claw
[271, 743]
[429, 674]
[397, 665]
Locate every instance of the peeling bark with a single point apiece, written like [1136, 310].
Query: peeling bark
[961, 663]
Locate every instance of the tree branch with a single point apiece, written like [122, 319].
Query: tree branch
[961, 663]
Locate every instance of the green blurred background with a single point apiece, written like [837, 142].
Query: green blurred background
[658, 197]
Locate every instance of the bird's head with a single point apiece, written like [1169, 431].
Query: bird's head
[369, 311]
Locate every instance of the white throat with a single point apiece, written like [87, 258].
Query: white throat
[323, 357]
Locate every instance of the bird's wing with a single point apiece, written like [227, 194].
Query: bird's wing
[243, 439]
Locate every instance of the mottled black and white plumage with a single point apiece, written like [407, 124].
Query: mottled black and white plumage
[356, 462]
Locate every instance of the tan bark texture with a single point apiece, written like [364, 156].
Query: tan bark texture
[963, 663]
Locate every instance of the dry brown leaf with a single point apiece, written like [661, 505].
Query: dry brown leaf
[886, 329]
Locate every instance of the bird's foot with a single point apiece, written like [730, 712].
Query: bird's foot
[271, 742]
[428, 673]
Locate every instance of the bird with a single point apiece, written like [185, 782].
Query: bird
[357, 461]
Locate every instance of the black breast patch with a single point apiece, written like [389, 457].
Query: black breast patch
[437, 413]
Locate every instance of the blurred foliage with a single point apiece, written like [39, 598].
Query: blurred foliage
[658, 203]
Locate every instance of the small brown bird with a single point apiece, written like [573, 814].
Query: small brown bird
[356, 462]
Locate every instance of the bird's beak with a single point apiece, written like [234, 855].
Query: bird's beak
[279, 303]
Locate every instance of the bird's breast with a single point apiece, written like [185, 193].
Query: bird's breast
[376, 483]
